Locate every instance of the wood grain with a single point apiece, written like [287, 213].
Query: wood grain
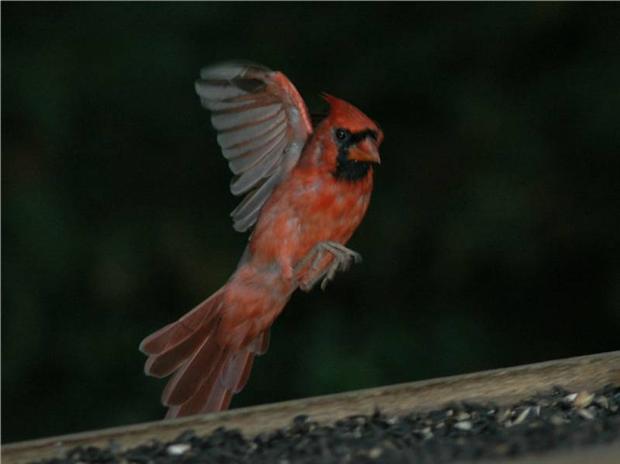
[503, 386]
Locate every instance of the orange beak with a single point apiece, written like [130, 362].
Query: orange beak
[365, 151]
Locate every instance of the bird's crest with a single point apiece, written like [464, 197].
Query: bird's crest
[346, 115]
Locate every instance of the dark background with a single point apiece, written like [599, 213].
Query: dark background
[492, 238]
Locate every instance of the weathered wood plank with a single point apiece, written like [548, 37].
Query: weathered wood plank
[502, 386]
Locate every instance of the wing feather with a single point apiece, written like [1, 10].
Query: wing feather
[243, 149]
[251, 177]
[263, 125]
[244, 134]
[246, 213]
[251, 158]
[229, 120]
[224, 106]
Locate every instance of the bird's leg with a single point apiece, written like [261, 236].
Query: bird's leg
[314, 265]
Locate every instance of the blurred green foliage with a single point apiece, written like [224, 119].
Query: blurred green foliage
[492, 238]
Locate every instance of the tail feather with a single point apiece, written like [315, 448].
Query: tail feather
[234, 368]
[206, 375]
[244, 376]
[217, 397]
[158, 341]
[204, 395]
[164, 364]
[227, 378]
[176, 332]
[225, 401]
[184, 384]
[238, 370]
[261, 343]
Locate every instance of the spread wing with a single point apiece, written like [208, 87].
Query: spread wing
[262, 124]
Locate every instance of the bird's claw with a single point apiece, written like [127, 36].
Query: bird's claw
[343, 258]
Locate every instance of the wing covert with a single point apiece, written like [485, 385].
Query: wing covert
[262, 124]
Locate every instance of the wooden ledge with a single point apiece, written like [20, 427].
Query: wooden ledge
[502, 386]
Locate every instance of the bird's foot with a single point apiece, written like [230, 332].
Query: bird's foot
[341, 259]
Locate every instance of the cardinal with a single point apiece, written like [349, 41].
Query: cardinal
[306, 191]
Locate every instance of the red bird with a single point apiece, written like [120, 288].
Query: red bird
[307, 189]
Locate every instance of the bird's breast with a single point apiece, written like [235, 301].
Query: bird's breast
[329, 210]
[335, 210]
[307, 210]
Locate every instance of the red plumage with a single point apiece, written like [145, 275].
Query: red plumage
[307, 191]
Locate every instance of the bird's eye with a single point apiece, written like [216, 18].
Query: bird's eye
[341, 134]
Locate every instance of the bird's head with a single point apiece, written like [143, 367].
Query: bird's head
[350, 140]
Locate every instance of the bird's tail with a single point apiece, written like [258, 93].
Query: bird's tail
[206, 374]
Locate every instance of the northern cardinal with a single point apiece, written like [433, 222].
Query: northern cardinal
[307, 189]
